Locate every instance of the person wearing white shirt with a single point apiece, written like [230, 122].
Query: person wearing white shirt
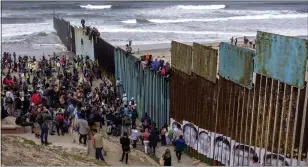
[134, 136]
[124, 99]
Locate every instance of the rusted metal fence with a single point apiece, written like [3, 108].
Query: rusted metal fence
[104, 53]
[63, 29]
[256, 106]
[240, 116]
[73, 49]
[149, 89]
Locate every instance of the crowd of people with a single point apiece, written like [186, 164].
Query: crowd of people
[90, 32]
[159, 66]
[56, 95]
[246, 41]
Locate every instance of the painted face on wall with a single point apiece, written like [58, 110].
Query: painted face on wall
[222, 152]
[274, 161]
[174, 125]
[190, 136]
[242, 158]
[204, 142]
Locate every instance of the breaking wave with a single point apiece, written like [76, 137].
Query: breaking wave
[27, 38]
[249, 17]
[200, 7]
[89, 6]
[127, 30]
[135, 21]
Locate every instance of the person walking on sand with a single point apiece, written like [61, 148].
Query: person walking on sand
[167, 158]
[97, 141]
[134, 136]
[83, 129]
[125, 142]
[43, 120]
[163, 132]
[153, 138]
[179, 147]
[146, 141]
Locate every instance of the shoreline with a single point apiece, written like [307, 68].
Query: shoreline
[163, 50]
[162, 46]
[159, 50]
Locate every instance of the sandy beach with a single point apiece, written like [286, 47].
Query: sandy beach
[163, 50]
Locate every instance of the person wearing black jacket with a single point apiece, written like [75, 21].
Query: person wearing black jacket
[18, 104]
[125, 142]
[153, 138]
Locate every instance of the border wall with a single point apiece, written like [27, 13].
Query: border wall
[150, 89]
[104, 53]
[256, 105]
[83, 45]
[232, 103]
[64, 32]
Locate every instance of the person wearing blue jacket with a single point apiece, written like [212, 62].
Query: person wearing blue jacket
[179, 147]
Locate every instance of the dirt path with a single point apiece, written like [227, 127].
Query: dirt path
[113, 149]
[19, 151]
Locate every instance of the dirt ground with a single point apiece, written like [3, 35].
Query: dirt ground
[19, 151]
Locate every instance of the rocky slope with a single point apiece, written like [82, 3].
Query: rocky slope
[19, 151]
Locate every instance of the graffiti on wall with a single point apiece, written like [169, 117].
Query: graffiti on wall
[265, 120]
[225, 150]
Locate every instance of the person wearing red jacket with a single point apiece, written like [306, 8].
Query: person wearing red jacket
[36, 98]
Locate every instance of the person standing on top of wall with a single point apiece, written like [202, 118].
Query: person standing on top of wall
[128, 49]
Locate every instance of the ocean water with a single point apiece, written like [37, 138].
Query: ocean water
[27, 26]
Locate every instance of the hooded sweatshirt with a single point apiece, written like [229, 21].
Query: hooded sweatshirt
[83, 126]
[153, 138]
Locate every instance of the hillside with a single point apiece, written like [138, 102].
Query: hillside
[19, 151]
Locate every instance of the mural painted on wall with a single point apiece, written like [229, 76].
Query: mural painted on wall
[222, 149]
[83, 45]
[227, 151]
[175, 124]
[204, 143]
[190, 134]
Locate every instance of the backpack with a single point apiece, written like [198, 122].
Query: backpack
[36, 98]
[8, 100]
[39, 119]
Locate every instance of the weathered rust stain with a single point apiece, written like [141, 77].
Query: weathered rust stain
[181, 56]
[273, 46]
[205, 61]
